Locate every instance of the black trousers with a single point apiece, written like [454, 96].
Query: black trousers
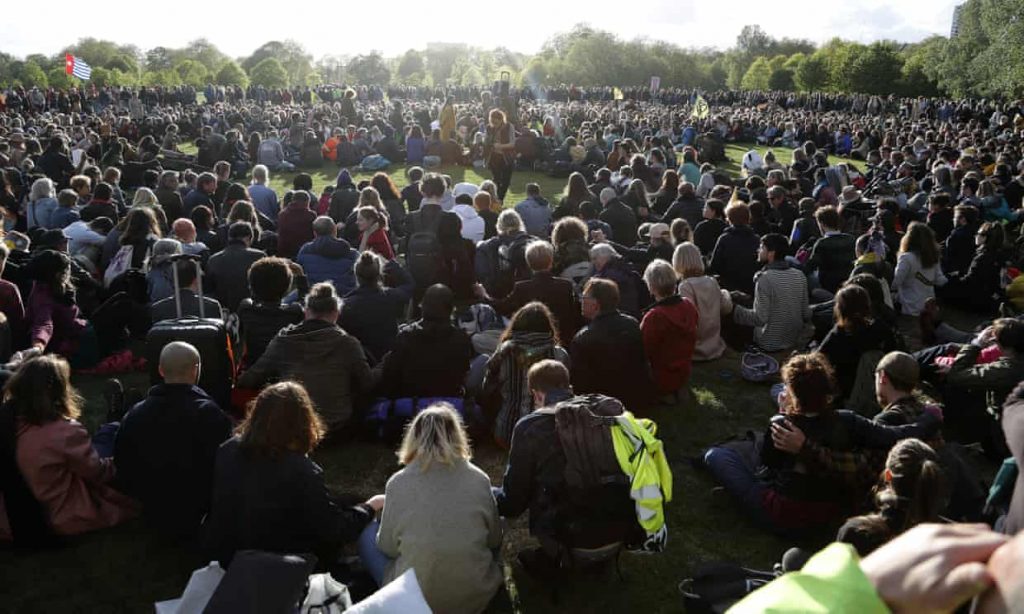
[502, 176]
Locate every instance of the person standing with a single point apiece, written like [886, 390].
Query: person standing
[501, 147]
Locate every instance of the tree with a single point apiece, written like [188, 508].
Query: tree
[293, 57]
[123, 63]
[757, 76]
[369, 69]
[57, 77]
[812, 74]
[753, 41]
[412, 62]
[269, 73]
[232, 74]
[872, 70]
[158, 58]
[192, 73]
[204, 52]
[164, 78]
[781, 79]
[32, 75]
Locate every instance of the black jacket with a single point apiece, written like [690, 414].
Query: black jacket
[706, 233]
[557, 295]
[535, 475]
[622, 219]
[275, 504]
[261, 322]
[607, 357]
[960, 248]
[833, 257]
[371, 314]
[690, 209]
[165, 451]
[734, 259]
[227, 274]
[429, 359]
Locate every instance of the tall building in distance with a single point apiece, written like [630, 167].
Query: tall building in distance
[954, 29]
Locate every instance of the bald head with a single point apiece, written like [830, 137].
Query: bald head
[179, 363]
[184, 230]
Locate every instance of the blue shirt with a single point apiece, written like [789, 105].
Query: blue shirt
[536, 216]
[265, 200]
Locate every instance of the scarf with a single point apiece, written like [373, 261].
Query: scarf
[365, 239]
[519, 353]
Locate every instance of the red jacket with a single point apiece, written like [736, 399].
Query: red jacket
[294, 229]
[379, 243]
[670, 334]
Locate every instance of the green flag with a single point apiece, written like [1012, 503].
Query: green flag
[700, 108]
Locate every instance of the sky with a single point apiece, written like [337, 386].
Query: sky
[351, 28]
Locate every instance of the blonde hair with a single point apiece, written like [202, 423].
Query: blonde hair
[687, 261]
[435, 435]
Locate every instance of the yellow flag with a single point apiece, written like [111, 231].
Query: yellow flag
[617, 93]
[700, 108]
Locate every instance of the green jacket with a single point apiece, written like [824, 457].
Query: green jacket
[831, 582]
[997, 378]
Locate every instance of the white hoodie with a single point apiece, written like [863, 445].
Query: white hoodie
[472, 223]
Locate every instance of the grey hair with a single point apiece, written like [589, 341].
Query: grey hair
[509, 222]
[660, 278]
[260, 174]
[41, 188]
[603, 250]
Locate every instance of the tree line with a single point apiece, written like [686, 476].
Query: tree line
[986, 58]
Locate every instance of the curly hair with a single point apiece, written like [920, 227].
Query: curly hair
[811, 382]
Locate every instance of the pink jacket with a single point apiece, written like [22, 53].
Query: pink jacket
[69, 479]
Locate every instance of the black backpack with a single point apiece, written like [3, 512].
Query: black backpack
[716, 587]
[423, 253]
[511, 264]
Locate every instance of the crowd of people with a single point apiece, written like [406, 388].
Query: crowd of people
[425, 312]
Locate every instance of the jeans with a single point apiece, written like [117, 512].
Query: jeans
[103, 439]
[733, 470]
[375, 561]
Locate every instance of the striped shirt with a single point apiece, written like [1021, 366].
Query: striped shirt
[780, 307]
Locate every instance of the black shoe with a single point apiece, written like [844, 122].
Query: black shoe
[113, 394]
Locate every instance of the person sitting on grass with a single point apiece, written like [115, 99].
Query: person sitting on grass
[60, 484]
[165, 447]
[439, 518]
[669, 330]
[535, 480]
[268, 494]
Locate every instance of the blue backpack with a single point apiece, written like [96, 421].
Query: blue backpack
[375, 162]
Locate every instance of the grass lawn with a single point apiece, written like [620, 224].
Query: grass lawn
[125, 570]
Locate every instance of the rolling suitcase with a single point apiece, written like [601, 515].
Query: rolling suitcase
[208, 335]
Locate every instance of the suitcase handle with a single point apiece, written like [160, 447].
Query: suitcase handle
[199, 277]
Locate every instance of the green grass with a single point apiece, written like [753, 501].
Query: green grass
[125, 570]
[550, 186]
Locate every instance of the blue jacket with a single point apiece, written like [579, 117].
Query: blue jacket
[329, 259]
[536, 214]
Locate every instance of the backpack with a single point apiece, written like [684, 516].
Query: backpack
[597, 509]
[375, 162]
[120, 264]
[578, 274]
[511, 264]
[716, 587]
[423, 253]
